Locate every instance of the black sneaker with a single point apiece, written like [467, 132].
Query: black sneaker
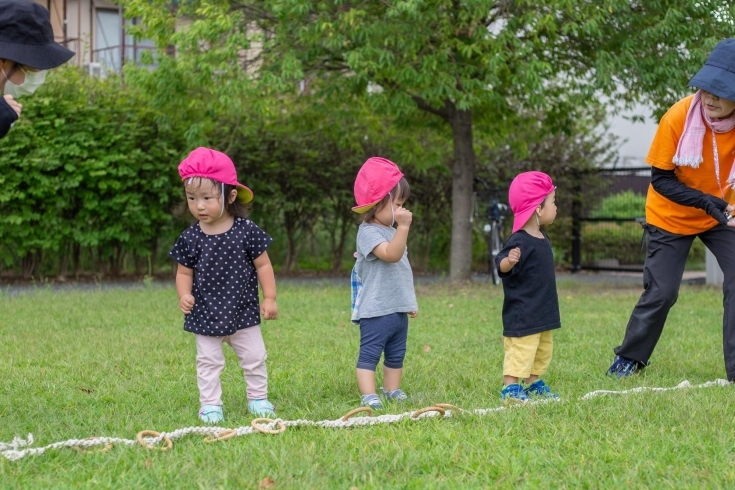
[622, 367]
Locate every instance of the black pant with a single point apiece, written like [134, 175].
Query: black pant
[662, 274]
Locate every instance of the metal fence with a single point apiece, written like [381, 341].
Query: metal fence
[607, 214]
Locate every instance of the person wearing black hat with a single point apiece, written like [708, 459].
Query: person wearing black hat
[690, 196]
[27, 51]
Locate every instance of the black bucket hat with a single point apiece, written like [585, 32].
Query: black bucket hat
[717, 76]
[26, 36]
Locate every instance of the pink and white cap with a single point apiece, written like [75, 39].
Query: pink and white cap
[527, 191]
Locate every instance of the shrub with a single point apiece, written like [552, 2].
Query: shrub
[623, 205]
[87, 172]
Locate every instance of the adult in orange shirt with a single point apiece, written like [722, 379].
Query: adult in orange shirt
[692, 159]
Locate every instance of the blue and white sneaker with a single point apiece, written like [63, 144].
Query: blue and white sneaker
[539, 389]
[622, 367]
[397, 395]
[261, 407]
[373, 401]
[211, 414]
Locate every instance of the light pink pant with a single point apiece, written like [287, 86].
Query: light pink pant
[250, 350]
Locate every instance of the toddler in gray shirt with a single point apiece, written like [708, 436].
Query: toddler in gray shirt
[382, 280]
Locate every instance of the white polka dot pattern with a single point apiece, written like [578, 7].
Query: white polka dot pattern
[225, 286]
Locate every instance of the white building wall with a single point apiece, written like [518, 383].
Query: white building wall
[634, 137]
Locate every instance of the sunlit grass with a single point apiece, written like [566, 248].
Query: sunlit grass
[116, 361]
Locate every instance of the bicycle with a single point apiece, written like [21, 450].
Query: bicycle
[495, 213]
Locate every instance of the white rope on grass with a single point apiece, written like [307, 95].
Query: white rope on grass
[680, 386]
[14, 451]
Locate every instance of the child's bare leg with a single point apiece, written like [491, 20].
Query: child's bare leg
[366, 381]
[509, 380]
[531, 379]
[392, 378]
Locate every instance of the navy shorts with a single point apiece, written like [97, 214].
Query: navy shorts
[383, 334]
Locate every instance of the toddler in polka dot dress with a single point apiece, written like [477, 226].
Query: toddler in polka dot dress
[221, 259]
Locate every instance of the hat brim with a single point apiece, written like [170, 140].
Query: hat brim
[244, 195]
[716, 81]
[38, 56]
[522, 218]
[365, 207]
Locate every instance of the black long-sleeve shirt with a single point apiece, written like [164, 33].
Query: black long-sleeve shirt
[668, 185]
[7, 117]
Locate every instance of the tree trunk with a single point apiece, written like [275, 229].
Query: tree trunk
[64, 265]
[29, 264]
[152, 257]
[463, 168]
[338, 250]
[291, 251]
[75, 252]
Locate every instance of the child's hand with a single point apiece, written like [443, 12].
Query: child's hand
[269, 309]
[186, 303]
[514, 256]
[413, 314]
[403, 217]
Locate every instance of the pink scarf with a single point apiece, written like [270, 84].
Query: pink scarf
[689, 149]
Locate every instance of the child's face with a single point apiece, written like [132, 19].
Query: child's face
[385, 214]
[205, 200]
[547, 214]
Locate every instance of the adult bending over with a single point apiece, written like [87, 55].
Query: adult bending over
[27, 51]
[691, 175]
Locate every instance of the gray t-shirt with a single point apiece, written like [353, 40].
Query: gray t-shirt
[386, 288]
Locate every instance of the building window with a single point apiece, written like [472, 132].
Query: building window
[107, 39]
[108, 46]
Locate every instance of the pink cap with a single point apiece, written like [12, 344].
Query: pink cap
[215, 165]
[527, 191]
[376, 178]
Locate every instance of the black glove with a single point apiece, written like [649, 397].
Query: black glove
[715, 207]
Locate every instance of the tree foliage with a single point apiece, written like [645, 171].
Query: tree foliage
[471, 62]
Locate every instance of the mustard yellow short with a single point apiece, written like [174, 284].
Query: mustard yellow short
[528, 355]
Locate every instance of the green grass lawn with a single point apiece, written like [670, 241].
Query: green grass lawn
[114, 362]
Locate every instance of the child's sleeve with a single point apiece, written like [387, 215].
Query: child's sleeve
[512, 243]
[368, 237]
[257, 242]
[184, 251]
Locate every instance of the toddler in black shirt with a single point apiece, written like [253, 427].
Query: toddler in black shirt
[531, 304]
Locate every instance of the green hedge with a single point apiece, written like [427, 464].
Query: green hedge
[88, 176]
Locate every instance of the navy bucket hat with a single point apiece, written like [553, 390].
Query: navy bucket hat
[717, 76]
[27, 38]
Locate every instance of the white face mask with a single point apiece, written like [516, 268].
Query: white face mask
[33, 80]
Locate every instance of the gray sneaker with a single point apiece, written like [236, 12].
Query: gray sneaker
[396, 395]
[373, 401]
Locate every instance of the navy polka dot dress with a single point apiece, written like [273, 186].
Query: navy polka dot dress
[225, 286]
